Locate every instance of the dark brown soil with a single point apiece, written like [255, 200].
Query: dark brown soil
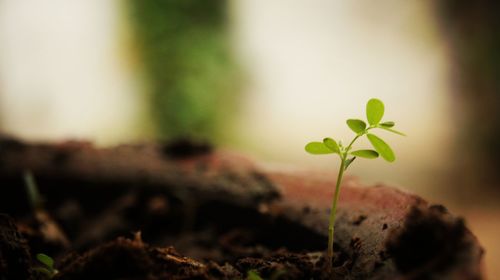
[133, 259]
[15, 258]
[205, 214]
[241, 240]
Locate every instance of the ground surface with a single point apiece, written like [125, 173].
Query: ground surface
[211, 214]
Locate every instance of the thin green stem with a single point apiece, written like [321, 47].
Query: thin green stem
[356, 138]
[333, 212]
[331, 225]
[352, 142]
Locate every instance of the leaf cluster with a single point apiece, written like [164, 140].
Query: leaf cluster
[374, 113]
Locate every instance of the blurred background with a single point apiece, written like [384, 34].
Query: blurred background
[264, 78]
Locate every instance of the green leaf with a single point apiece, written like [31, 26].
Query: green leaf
[381, 147]
[358, 126]
[348, 162]
[387, 124]
[331, 144]
[49, 274]
[374, 111]
[318, 148]
[393, 131]
[365, 153]
[46, 260]
[253, 275]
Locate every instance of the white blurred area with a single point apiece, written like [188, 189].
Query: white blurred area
[314, 64]
[66, 72]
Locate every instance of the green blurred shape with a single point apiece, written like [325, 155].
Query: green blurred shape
[191, 75]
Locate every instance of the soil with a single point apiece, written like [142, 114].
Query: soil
[188, 211]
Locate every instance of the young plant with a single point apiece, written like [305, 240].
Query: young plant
[48, 266]
[253, 275]
[34, 196]
[374, 114]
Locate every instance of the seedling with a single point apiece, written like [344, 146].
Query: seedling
[374, 114]
[48, 266]
[34, 196]
[253, 275]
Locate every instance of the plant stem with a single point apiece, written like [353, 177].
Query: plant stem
[350, 145]
[331, 225]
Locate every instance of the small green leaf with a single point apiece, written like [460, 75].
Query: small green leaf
[253, 275]
[348, 162]
[374, 111]
[49, 274]
[381, 147]
[46, 260]
[393, 131]
[358, 126]
[332, 145]
[387, 124]
[318, 148]
[365, 153]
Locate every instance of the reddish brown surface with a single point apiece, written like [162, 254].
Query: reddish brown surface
[316, 189]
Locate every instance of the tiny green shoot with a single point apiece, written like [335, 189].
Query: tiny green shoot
[34, 196]
[374, 113]
[48, 266]
[253, 275]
